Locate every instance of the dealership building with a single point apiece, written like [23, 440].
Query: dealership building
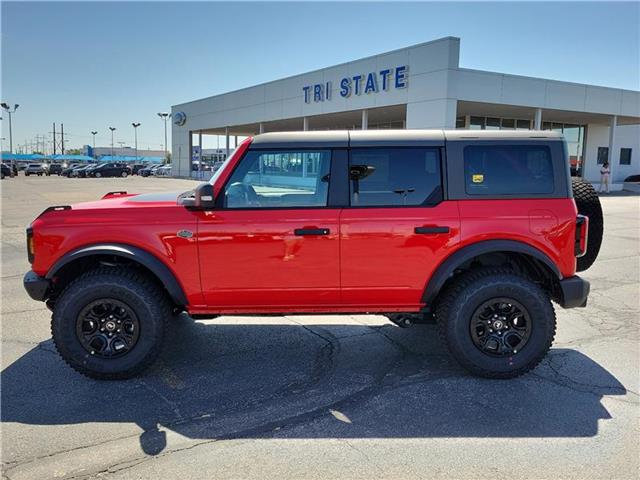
[422, 86]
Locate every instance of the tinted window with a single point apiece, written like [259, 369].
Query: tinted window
[603, 155]
[272, 179]
[625, 156]
[395, 177]
[508, 170]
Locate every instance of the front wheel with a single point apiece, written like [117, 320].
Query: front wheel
[496, 323]
[109, 323]
[98, 175]
[124, 174]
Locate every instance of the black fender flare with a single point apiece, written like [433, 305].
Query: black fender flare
[138, 255]
[453, 261]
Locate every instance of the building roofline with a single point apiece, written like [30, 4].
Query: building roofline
[490, 72]
[437, 40]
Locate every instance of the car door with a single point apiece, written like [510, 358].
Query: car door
[272, 242]
[397, 228]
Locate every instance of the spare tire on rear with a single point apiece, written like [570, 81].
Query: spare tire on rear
[588, 204]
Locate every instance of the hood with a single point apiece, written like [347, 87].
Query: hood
[124, 200]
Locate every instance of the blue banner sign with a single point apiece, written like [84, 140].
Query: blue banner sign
[372, 82]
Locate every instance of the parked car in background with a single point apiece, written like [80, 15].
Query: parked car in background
[36, 169]
[148, 171]
[80, 171]
[109, 170]
[6, 171]
[66, 172]
[55, 169]
[136, 168]
[164, 171]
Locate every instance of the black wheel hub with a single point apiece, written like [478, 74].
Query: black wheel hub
[107, 328]
[500, 327]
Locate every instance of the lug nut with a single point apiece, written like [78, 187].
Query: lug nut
[102, 329]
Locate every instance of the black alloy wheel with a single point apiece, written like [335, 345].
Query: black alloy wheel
[107, 328]
[500, 327]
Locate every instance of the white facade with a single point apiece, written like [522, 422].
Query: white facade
[425, 88]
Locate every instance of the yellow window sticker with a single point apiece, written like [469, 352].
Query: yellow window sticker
[478, 178]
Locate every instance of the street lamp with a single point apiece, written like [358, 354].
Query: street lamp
[135, 126]
[113, 129]
[6, 107]
[164, 116]
[94, 133]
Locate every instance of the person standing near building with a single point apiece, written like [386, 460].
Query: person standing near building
[605, 171]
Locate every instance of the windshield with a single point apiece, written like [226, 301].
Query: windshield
[222, 167]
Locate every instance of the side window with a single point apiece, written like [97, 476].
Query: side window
[280, 179]
[508, 170]
[395, 176]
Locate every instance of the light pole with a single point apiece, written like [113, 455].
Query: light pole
[94, 133]
[9, 111]
[135, 126]
[113, 129]
[164, 116]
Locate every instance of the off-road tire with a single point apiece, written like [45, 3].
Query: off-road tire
[588, 204]
[140, 293]
[454, 311]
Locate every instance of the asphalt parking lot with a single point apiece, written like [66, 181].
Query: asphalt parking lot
[320, 396]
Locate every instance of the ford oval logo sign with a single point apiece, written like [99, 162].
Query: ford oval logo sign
[179, 118]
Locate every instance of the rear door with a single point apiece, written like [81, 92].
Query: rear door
[273, 242]
[398, 226]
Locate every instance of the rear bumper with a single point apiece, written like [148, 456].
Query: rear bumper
[37, 287]
[575, 292]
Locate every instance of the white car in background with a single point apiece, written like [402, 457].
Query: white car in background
[164, 171]
[36, 169]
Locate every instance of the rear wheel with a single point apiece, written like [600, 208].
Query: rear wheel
[109, 323]
[588, 204]
[98, 174]
[124, 174]
[495, 323]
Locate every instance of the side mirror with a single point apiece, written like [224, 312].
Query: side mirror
[204, 197]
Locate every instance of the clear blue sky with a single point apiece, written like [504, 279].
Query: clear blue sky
[91, 65]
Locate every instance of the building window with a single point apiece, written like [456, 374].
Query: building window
[603, 155]
[625, 156]
[395, 177]
[523, 124]
[493, 123]
[460, 122]
[476, 123]
[508, 124]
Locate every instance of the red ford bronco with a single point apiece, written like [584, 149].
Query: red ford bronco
[477, 230]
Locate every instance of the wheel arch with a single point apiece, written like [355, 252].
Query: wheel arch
[129, 253]
[522, 254]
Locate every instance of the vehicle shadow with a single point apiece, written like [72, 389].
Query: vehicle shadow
[219, 380]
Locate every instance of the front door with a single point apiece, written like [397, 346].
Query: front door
[397, 228]
[273, 244]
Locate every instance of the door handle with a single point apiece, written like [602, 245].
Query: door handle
[431, 230]
[311, 231]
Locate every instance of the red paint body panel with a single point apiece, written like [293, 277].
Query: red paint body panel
[546, 224]
[251, 259]
[152, 226]
[384, 262]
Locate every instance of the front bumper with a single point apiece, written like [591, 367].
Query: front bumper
[37, 287]
[575, 291]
